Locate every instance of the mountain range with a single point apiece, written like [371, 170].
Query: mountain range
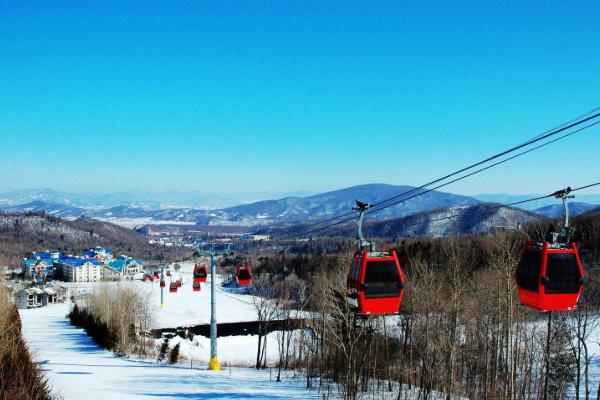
[478, 218]
[285, 211]
[149, 200]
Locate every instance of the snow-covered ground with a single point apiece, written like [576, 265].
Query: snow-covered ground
[78, 369]
[186, 307]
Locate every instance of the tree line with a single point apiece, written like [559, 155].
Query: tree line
[460, 331]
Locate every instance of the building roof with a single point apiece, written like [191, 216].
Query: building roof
[32, 290]
[30, 262]
[100, 248]
[120, 263]
[78, 262]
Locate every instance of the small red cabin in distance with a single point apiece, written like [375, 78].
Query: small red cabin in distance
[162, 283]
[243, 275]
[200, 273]
[196, 286]
[173, 287]
[549, 278]
[375, 283]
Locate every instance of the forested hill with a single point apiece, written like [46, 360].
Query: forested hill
[23, 233]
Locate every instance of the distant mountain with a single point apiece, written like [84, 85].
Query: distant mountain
[23, 233]
[325, 205]
[286, 210]
[557, 210]
[149, 200]
[59, 210]
[509, 198]
[444, 222]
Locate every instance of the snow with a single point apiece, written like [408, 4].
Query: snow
[78, 369]
[132, 222]
[186, 307]
[239, 351]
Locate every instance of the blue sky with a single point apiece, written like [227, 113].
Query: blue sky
[230, 96]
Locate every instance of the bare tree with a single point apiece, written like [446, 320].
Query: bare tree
[263, 294]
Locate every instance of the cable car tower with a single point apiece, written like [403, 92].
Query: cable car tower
[213, 250]
[162, 286]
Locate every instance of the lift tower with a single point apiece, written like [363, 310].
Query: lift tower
[214, 251]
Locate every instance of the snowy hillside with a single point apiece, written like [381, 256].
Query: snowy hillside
[78, 369]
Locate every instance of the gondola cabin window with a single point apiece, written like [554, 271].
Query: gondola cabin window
[244, 274]
[528, 272]
[381, 279]
[563, 273]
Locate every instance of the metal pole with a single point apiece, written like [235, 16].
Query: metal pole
[162, 296]
[566, 207]
[214, 361]
[547, 355]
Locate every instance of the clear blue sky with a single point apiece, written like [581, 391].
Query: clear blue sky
[230, 96]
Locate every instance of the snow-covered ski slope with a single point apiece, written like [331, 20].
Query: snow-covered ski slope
[186, 307]
[78, 369]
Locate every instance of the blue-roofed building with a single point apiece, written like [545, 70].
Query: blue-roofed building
[125, 265]
[81, 269]
[89, 254]
[99, 253]
[44, 255]
[37, 267]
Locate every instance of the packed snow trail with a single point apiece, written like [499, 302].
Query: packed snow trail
[78, 369]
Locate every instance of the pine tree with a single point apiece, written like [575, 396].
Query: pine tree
[162, 352]
[174, 356]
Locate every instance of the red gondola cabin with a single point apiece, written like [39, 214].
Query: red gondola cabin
[162, 283]
[375, 283]
[173, 287]
[196, 286]
[179, 282]
[549, 278]
[200, 273]
[243, 275]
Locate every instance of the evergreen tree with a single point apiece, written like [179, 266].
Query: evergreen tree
[162, 352]
[174, 356]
